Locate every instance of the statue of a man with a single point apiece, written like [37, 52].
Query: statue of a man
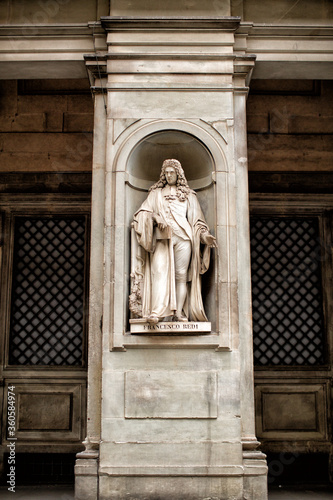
[173, 250]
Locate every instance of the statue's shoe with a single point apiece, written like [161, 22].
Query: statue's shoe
[180, 317]
[153, 319]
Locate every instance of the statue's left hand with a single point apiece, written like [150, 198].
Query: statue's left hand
[209, 239]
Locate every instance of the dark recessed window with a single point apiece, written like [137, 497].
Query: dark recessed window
[47, 306]
[287, 291]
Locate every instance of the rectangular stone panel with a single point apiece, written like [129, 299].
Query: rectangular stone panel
[44, 412]
[163, 394]
[161, 104]
[289, 412]
[294, 411]
[48, 411]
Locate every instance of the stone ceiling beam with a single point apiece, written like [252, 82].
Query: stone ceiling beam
[57, 51]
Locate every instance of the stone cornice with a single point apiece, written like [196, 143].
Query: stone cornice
[283, 51]
[32, 30]
[288, 51]
[48, 50]
[228, 23]
[174, 57]
[56, 39]
[294, 39]
[294, 30]
[167, 23]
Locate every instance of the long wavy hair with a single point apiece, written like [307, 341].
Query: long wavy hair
[183, 189]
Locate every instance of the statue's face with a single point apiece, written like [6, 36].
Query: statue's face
[171, 176]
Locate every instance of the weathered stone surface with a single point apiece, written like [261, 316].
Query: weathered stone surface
[80, 104]
[149, 381]
[86, 481]
[258, 123]
[188, 457]
[34, 143]
[278, 122]
[162, 105]
[299, 128]
[30, 126]
[44, 412]
[297, 411]
[49, 410]
[38, 151]
[173, 488]
[34, 122]
[49, 13]
[51, 182]
[165, 429]
[290, 153]
[170, 394]
[171, 358]
[78, 122]
[44, 162]
[291, 182]
[8, 97]
[160, 8]
[301, 410]
[280, 12]
[311, 124]
[41, 103]
[54, 121]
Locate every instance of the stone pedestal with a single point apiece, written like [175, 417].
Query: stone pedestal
[177, 413]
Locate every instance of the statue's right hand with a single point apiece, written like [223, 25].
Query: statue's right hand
[160, 222]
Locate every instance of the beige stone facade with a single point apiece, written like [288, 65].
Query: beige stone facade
[93, 98]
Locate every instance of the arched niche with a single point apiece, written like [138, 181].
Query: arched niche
[146, 158]
[143, 167]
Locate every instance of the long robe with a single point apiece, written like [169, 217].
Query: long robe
[148, 236]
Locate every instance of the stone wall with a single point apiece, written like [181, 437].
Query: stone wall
[32, 12]
[289, 129]
[47, 128]
[290, 125]
[284, 12]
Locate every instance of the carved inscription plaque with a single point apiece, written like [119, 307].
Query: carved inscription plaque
[170, 327]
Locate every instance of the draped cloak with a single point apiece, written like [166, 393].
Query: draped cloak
[148, 237]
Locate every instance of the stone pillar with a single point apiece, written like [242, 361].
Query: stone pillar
[86, 468]
[254, 461]
[177, 416]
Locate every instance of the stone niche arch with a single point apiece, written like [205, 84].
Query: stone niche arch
[140, 152]
[146, 158]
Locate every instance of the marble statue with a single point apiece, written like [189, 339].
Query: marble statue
[170, 251]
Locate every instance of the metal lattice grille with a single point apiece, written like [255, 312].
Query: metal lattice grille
[286, 291]
[48, 291]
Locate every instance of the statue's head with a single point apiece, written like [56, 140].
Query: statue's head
[176, 165]
[183, 188]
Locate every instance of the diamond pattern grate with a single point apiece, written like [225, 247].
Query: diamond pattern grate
[286, 291]
[48, 291]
